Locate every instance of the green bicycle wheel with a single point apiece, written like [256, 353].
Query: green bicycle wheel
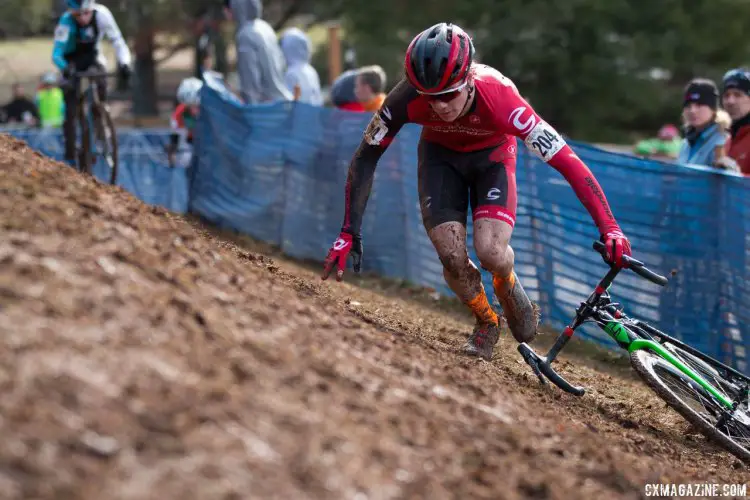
[696, 405]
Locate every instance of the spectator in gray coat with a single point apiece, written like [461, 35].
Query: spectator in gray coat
[299, 72]
[260, 63]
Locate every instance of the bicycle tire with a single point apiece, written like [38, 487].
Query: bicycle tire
[642, 361]
[107, 123]
[84, 153]
[727, 372]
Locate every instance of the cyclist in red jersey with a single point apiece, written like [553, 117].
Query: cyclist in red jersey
[471, 116]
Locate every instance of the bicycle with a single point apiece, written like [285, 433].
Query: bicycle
[675, 371]
[97, 130]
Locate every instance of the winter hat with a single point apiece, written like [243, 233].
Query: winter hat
[702, 91]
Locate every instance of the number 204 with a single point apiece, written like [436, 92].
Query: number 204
[544, 143]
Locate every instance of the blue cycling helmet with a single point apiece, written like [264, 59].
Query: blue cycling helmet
[81, 4]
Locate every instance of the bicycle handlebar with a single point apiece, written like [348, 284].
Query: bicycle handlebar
[542, 364]
[94, 74]
[637, 266]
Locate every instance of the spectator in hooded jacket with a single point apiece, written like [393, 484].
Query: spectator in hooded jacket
[703, 135]
[299, 72]
[260, 63]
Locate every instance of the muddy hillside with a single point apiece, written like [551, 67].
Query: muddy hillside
[142, 357]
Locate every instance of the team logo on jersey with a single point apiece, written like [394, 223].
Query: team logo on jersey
[524, 126]
[494, 194]
[88, 33]
[339, 244]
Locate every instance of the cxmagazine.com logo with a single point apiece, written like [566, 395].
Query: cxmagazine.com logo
[698, 490]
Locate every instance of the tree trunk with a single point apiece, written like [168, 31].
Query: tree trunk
[145, 96]
[220, 53]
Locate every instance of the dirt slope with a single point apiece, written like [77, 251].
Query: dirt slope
[142, 358]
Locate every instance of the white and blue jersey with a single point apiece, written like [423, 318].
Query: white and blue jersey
[80, 44]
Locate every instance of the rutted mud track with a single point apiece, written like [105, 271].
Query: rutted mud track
[142, 358]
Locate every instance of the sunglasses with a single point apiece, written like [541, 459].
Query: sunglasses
[81, 12]
[445, 95]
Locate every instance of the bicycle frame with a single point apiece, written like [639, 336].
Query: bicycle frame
[90, 96]
[618, 326]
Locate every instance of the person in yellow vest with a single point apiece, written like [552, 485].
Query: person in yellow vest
[369, 87]
[50, 101]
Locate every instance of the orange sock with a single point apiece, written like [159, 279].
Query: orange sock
[480, 306]
[503, 286]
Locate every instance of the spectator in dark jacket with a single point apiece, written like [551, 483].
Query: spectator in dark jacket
[21, 109]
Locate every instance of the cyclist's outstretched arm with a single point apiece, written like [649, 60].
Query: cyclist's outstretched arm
[109, 27]
[379, 134]
[547, 144]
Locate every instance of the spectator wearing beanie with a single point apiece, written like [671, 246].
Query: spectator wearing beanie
[703, 136]
[735, 95]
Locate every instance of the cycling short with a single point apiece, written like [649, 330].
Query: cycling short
[451, 181]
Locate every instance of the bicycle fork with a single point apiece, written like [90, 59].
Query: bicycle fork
[541, 365]
[584, 311]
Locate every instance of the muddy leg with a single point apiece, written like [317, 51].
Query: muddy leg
[491, 242]
[460, 273]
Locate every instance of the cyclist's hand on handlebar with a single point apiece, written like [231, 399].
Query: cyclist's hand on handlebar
[68, 72]
[617, 246]
[340, 250]
[124, 73]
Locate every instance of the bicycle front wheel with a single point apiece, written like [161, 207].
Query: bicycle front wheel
[695, 404]
[106, 137]
[84, 151]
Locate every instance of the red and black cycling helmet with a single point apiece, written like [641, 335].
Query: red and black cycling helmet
[439, 58]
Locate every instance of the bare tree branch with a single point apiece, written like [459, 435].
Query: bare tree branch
[294, 7]
[173, 51]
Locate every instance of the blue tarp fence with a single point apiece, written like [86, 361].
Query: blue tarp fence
[144, 169]
[277, 173]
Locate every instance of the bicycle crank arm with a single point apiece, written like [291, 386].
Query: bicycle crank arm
[540, 364]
